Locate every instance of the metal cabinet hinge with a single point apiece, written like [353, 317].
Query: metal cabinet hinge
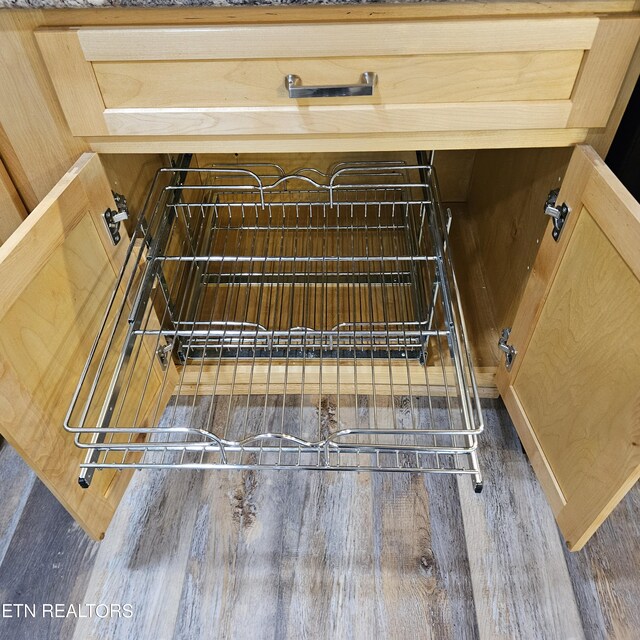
[164, 353]
[557, 213]
[112, 219]
[509, 351]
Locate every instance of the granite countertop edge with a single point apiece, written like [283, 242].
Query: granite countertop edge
[106, 4]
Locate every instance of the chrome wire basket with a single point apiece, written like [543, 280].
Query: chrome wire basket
[273, 320]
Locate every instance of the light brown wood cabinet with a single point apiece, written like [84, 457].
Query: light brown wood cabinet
[433, 76]
[528, 86]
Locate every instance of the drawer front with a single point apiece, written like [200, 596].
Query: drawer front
[399, 80]
[430, 76]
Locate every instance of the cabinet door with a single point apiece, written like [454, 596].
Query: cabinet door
[57, 272]
[573, 390]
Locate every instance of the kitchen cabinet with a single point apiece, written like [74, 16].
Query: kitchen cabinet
[544, 81]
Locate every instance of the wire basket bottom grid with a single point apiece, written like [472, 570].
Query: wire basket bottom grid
[324, 432]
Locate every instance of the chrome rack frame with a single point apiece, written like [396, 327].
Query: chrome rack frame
[313, 319]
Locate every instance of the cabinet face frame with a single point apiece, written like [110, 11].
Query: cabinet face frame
[572, 390]
[608, 44]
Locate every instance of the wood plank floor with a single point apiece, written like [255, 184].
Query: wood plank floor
[317, 555]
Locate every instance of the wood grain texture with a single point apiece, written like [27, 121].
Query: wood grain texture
[616, 212]
[583, 477]
[49, 554]
[330, 13]
[17, 482]
[59, 317]
[588, 427]
[287, 555]
[282, 546]
[448, 140]
[531, 444]
[132, 175]
[58, 271]
[224, 90]
[603, 71]
[454, 177]
[600, 139]
[506, 201]
[527, 313]
[605, 574]
[153, 546]
[27, 252]
[515, 553]
[339, 119]
[37, 166]
[80, 98]
[18, 175]
[400, 79]
[12, 210]
[335, 39]
[38, 147]
[477, 305]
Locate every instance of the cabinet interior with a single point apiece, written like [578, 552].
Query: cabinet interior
[496, 198]
[306, 309]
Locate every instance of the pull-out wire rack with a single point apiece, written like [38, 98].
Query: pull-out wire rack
[271, 320]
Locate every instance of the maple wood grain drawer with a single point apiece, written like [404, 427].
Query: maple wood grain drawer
[447, 75]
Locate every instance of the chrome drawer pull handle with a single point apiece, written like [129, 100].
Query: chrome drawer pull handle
[294, 85]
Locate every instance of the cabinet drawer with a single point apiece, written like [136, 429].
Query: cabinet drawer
[431, 76]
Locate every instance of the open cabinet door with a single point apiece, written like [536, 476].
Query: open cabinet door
[57, 272]
[573, 389]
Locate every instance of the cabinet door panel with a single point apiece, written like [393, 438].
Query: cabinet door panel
[573, 390]
[57, 273]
